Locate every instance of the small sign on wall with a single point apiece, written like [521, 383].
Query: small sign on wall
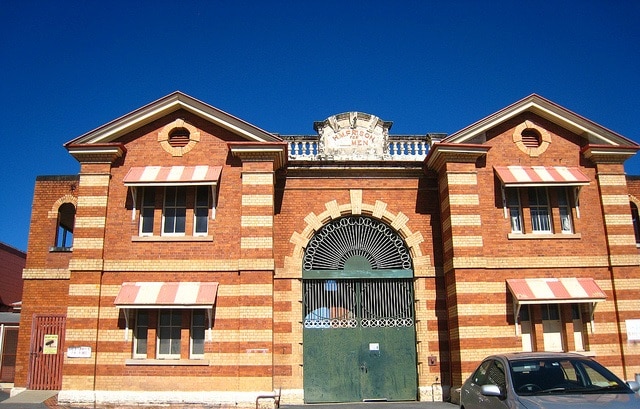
[633, 330]
[79, 352]
[50, 344]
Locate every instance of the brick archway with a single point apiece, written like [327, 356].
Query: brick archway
[333, 210]
[53, 213]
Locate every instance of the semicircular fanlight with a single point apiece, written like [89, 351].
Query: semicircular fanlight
[356, 240]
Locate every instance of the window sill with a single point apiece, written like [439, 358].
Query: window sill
[549, 236]
[171, 238]
[54, 249]
[167, 362]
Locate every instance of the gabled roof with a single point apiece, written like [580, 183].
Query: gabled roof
[166, 105]
[595, 134]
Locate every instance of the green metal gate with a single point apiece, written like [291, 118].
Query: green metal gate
[359, 340]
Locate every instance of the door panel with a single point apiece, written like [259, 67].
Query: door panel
[388, 355]
[552, 328]
[9, 348]
[331, 365]
[577, 327]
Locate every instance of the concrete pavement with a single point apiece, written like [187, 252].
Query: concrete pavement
[36, 399]
[26, 400]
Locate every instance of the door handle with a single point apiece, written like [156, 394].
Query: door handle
[363, 367]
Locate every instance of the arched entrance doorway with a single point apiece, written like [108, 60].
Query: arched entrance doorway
[359, 340]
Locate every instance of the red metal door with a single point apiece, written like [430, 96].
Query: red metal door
[47, 352]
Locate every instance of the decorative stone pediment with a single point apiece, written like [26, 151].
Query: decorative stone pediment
[353, 136]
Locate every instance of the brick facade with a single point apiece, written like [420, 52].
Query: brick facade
[448, 209]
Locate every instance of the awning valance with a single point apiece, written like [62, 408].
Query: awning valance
[555, 290]
[522, 176]
[172, 175]
[167, 295]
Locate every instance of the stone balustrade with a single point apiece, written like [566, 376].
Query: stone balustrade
[398, 148]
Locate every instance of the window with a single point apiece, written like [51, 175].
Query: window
[140, 334]
[539, 207]
[480, 375]
[513, 204]
[66, 221]
[198, 328]
[496, 375]
[184, 209]
[539, 210]
[201, 212]
[565, 211]
[550, 312]
[146, 211]
[175, 210]
[490, 372]
[168, 329]
[636, 221]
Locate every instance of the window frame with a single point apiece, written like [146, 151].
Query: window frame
[183, 210]
[564, 208]
[193, 354]
[149, 323]
[172, 327]
[481, 373]
[530, 209]
[64, 230]
[177, 203]
[138, 342]
[540, 210]
[514, 207]
[635, 219]
[147, 210]
[201, 205]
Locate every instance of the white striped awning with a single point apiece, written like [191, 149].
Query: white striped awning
[515, 176]
[555, 290]
[167, 295]
[172, 175]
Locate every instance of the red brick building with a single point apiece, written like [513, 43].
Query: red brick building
[12, 261]
[348, 265]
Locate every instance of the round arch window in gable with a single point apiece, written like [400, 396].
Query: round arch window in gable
[531, 138]
[178, 137]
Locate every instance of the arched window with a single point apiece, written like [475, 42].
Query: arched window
[64, 232]
[636, 221]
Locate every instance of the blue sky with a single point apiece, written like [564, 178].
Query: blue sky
[68, 67]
